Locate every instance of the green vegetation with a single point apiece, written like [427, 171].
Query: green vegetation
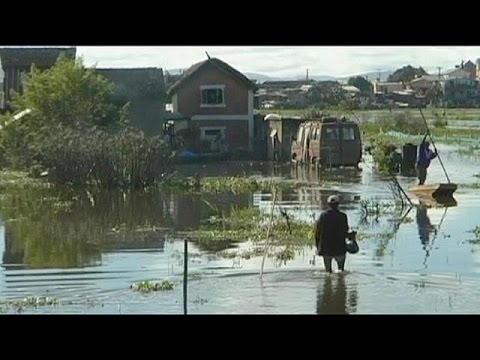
[475, 232]
[231, 184]
[361, 83]
[29, 302]
[10, 180]
[150, 286]
[251, 225]
[431, 114]
[68, 228]
[75, 135]
[406, 74]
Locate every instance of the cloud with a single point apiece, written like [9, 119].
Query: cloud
[284, 61]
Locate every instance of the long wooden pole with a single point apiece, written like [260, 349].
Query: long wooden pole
[185, 276]
[265, 251]
[401, 189]
[431, 139]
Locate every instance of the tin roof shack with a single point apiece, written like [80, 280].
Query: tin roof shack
[280, 132]
[16, 62]
[144, 88]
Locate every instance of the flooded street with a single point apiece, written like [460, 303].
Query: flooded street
[89, 256]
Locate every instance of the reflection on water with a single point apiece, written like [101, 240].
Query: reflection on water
[333, 296]
[97, 245]
[43, 229]
[425, 229]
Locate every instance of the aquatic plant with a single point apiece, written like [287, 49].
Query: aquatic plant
[227, 184]
[149, 286]
[29, 302]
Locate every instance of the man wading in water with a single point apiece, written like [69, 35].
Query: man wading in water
[330, 232]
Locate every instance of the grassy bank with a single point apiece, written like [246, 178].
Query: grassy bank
[430, 113]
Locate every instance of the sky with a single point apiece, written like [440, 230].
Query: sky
[288, 61]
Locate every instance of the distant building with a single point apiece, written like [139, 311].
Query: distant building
[351, 90]
[144, 88]
[458, 73]
[219, 101]
[16, 62]
[423, 84]
[471, 69]
[286, 84]
[387, 87]
[461, 92]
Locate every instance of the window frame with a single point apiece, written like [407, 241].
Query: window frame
[212, 87]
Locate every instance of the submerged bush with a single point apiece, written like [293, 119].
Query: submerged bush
[75, 135]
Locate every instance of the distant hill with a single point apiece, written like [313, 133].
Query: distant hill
[262, 77]
[371, 76]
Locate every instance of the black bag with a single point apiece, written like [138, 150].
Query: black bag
[352, 245]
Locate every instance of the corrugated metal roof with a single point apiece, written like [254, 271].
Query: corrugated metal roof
[41, 57]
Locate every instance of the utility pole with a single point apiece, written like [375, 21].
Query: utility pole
[440, 86]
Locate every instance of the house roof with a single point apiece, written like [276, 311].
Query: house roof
[215, 63]
[287, 83]
[41, 57]
[456, 73]
[351, 88]
[132, 75]
[388, 83]
[138, 82]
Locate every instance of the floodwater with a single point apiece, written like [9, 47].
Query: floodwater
[88, 256]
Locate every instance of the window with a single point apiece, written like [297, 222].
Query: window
[213, 96]
[348, 133]
[331, 133]
[212, 133]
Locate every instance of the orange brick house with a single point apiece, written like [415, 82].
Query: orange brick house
[219, 102]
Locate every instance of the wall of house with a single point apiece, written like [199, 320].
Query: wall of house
[189, 95]
[147, 115]
[144, 88]
[13, 81]
[235, 133]
[472, 70]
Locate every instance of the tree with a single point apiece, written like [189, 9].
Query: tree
[326, 94]
[76, 135]
[406, 74]
[68, 94]
[361, 83]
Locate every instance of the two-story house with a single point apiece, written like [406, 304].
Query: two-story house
[219, 102]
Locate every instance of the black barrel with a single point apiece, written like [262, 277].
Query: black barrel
[409, 158]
